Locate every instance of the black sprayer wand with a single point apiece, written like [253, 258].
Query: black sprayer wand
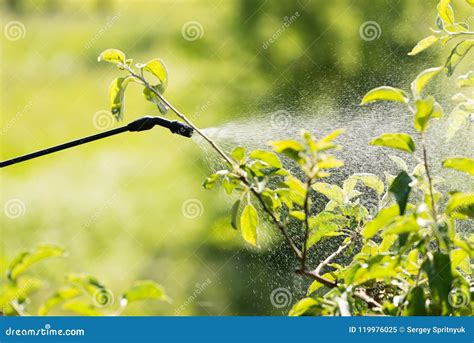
[142, 124]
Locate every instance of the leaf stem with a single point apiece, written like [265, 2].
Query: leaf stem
[306, 223]
[428, 176]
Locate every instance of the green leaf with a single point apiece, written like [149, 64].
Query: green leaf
[303, 307]
[267, 157]
[423, 78]
[116, 96]
[211, 180]
[446, 12]
[298, 215]
[401, 188]
[463, 164]
[425, 110]
[400, 141]
[383, 219]
[333, 192]
[440, 278]
[416, 303]
[235, 215]
[401, 225]
[81, 308]
[322, 231]
[315, 285]
[89, 283]
[112, 55]
[466, 80]
[152, 97]
[24, 260]
[371, 181]
[289, 148]
[461, 202]
[158, 69]
[238, 154]
[57, 298]
[423, 44]
[144, 290]
[248, 224]
[470, 2]
[385, 93]
[297, 190]
[457, 54]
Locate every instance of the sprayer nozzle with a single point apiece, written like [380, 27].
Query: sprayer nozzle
[146, 123]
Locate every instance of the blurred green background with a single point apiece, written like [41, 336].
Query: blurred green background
[132, 206]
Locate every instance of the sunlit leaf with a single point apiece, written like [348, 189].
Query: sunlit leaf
[445, 12]
[385, 93]
[424, 112]
[112, 55]
[303, 307]
[463, 164]
[383, 219]
[235, 215]
[371, 181]
[249, 223]
[457, 54]
[298, 215]
[89, 283]
[238, 154]
[423, 78]
[144, 290]
[400, 141]
[267, 157]
[158, 69]
[424, 44]
[24, 260]
[461, 202]
[333, 192]
[315, 285]
[57, 298]
[116, 96]
[289, 148]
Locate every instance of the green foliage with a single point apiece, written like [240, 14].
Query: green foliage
[82, 294]
[403, 257]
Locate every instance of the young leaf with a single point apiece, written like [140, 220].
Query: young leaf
[24, 260]
[424, 112]
[457, 54]
[112, 55]
[371, 181]
[143, 290]
[461, 202]
[157, 68]
[248, 224]
[423, 78]
[466, 80]
[57, 298]
[445, 12]
[90, 284]
[152, 97]
[235, 214]
[400, 141]
[238, 154]
[424, 44]
[385, 93]
[383, 219]
[305, 306]
[333, 192]
[116, 96]
[463, 164]
[289, 148]
[267, 157]
[401, 188]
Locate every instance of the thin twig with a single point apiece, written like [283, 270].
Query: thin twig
[430, 182]
[306, 224]
[179, 114]
[333, 256]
